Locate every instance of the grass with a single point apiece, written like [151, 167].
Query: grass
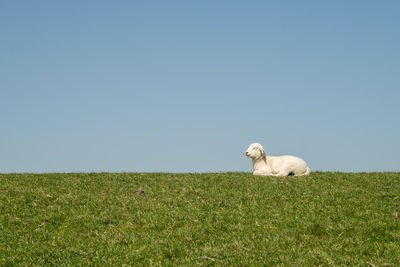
[216, 219]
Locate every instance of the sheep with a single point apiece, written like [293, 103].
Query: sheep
[275, 166]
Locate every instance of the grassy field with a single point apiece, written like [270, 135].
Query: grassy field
[217, 219]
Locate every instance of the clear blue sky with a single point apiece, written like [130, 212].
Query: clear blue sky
[186, 86]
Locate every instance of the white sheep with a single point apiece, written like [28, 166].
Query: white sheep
[275, 166]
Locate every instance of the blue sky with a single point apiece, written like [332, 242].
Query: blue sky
[186, 86]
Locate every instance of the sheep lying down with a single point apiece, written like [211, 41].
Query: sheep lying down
[275, 166]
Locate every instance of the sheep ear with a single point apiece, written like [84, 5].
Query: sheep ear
[262, 151]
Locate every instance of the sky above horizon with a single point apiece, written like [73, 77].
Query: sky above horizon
[186, 86]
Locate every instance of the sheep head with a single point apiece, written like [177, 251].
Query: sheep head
[255, 151]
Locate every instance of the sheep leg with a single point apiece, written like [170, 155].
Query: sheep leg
[260, 172]
[283, 172]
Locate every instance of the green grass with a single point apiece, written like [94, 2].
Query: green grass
[217, 219]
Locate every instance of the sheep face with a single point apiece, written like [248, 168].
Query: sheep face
[255, 151]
